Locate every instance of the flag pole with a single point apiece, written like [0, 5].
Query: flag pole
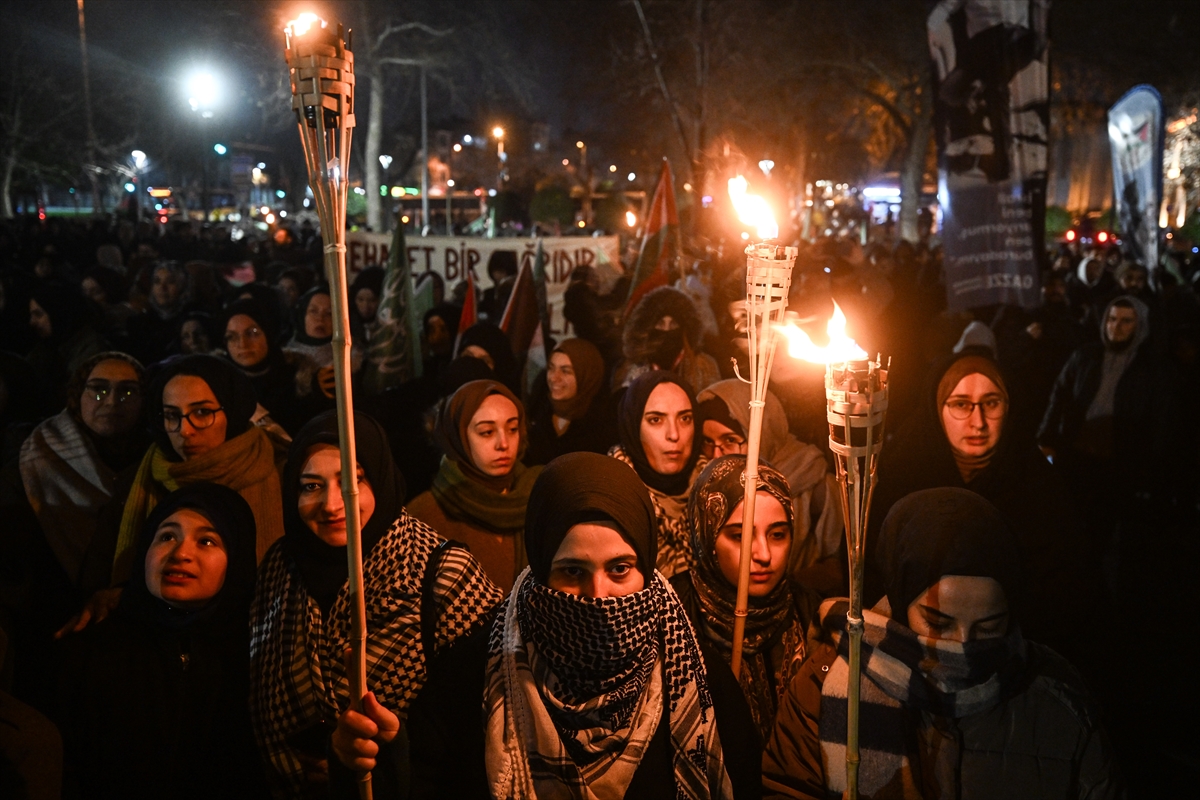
[321, 67]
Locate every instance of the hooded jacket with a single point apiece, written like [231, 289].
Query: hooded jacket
[645, 347]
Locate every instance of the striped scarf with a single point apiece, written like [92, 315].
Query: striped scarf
[298, 674]
[903, 672]
[576, 690]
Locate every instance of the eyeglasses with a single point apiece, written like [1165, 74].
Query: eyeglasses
[729, 444]
[993, 407]
[248, 335]
[199, 418]
[121, 392]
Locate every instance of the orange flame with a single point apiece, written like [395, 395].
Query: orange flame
[752, 209]
[301, 24]
[840, 348]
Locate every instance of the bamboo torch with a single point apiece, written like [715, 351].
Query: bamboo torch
[321, 67]
[768, 279]
[856, 399]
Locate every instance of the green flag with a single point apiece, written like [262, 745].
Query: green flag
[395, 352]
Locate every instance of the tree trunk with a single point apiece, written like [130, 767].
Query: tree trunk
[6, 206]
[912, 174]
[371, 153]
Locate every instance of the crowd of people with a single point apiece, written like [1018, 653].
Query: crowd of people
[550, 567]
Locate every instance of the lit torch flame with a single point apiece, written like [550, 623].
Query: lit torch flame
[301, 24]
[752, 209]
[840, 348]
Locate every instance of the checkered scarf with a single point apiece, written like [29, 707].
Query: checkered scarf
[674, 541]
[577, 687]
[902, 671]
[298, 675]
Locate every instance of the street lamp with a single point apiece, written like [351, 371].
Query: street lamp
[203, 96]
[587, 183]
[139, 165]
[498, 135]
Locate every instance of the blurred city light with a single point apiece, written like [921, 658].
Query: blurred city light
[220, 149]
[203, 91]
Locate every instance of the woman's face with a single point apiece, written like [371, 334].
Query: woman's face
[166, 289]
[39, 320]
[667, 429]
[720, 440]
[186, 562]
[115, 413]
[494, 436]
[193, 338]
[768, 551]
[318, 317]
[981, 407]
[594, 560]
[288, 290]
[93, 291]
[245, 341]
[560, 377]
[320, 504]
[191, 395]
[475, 351]
[367, 303]
[961, 608]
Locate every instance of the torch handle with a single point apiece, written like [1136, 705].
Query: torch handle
[741, 610]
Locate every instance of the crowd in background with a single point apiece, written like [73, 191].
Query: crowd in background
[170, 470]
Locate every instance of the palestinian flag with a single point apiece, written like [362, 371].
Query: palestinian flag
[526, 319]
[395, 352]
[470, 311]
[660, 243]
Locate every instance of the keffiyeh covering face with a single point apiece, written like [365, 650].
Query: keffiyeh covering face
[774, 644]
[577, 686]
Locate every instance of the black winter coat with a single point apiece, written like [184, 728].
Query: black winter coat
[150, 711]
[1143, 410]
[446, 731]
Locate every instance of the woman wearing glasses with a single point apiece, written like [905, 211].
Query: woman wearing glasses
[724, 417]
[200, 408]
[959, 438]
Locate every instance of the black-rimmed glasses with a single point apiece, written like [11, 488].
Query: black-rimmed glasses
[198, 417]
[993, 407]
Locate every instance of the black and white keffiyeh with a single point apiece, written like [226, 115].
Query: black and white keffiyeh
[902, 671]
[577, 687]
[298, 675]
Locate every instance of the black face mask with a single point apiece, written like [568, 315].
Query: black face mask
[667, 345]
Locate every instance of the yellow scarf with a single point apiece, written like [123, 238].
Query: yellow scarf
[244, 463]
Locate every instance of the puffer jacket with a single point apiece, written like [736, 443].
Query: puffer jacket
[1045, 741]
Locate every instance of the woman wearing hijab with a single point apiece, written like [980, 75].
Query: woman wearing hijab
[593, 680]
[311, 347]
[576, 416]
[724, 412]
[252, 341]
[152, 332]
[365, 293]
[490, 345]
[70, 464]
[959, 438]
[481, 488]
[300, 618]
[201, 409]
[657, 430]
[155, 697]
[780, 609]
[955, 702]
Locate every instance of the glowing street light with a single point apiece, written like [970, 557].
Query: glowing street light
[204, 92]
[220, 149]
[498, 132]
[385, 161]
[139, 160]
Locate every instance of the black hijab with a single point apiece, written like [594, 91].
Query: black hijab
[939, 532]
[231, 387]
[267, 321]
[629, 428]
[231, 517]
[588, 487]
[300, 334]
[322, 566]
[494, 341]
